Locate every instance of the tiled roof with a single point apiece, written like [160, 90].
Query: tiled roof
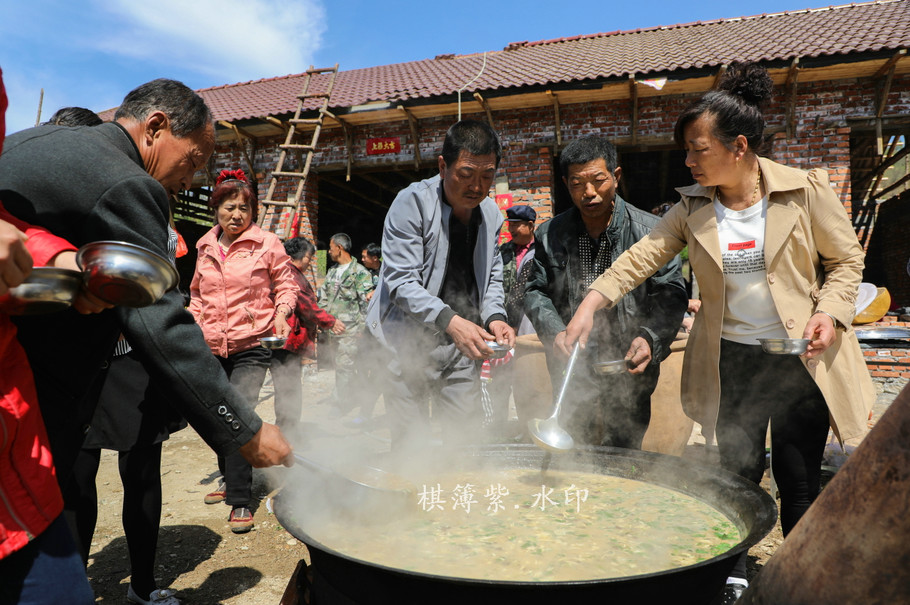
[836, 30]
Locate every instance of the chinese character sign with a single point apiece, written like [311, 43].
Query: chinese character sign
[383, 145]
[504, 201]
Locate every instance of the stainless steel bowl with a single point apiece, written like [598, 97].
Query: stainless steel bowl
[46, 290]
[499, 351]
[125, 274]
[272, 342]
[785, 346]
[616, 366]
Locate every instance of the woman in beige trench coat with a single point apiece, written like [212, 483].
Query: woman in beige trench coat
[775, 255]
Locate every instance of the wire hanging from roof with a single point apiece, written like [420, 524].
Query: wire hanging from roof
[482, 67]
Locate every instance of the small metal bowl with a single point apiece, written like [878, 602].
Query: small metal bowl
[499, 351]
[617, 366]
[45, 290]
[125, 274]
[785, 346]
[272, 342]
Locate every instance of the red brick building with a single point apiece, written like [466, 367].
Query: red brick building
[842, 102]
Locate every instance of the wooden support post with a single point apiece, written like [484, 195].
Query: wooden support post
[240, 141]
[555, 98]
[486, 108]
[633, 95]
[893, 186]
[878, 172]
[412, 123]
[348, 148]
[890, 63]
[276, 122]
[883, 88]
[792, 78]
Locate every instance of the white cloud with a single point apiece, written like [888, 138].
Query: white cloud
[228, 40]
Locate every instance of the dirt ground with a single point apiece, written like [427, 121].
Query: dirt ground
[197, 553]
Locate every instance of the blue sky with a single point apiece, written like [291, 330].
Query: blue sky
[90, 53]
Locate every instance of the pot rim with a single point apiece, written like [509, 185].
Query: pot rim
[762, 504]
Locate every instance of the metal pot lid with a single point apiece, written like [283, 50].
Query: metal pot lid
[882, 333]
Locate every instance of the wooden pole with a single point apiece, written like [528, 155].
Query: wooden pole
[40, 103]
[853, 544]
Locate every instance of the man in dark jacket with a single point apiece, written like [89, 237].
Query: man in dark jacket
[112, 182]
[571, 251]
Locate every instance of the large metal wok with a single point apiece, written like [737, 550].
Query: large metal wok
[338, 578]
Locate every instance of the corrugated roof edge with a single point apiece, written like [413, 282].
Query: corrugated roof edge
[618, 32]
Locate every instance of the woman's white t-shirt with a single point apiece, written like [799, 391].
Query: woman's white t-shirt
[749, 311]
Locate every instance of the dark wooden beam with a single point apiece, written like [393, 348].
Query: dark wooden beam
[415, 140]
[380, 183]
[869, 124]
[354, 191]
[331, 208]
[348, 149]
[882, 167]
[633, 96]
[238, 133]
[890, 63]
[790, 86]
[891, 188]
[486, 108]
[555, 98]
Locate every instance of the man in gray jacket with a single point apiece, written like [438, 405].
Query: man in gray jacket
[439, 302]
[571, 251]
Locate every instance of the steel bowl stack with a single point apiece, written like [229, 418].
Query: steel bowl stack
[45, 290]
[125, 274]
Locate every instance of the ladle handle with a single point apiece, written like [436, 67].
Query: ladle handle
[570, 367]
[312, 464]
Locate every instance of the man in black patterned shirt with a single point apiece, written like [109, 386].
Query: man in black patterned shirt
[571, 251]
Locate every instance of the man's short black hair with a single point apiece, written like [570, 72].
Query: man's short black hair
[185, 109]
[477, 138]
[373, 249]
[587, 149]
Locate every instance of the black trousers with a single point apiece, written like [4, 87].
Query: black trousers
[246, 370]
[755, 388]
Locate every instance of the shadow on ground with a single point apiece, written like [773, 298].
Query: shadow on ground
[192, 544]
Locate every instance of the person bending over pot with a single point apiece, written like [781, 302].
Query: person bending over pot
[775, 256]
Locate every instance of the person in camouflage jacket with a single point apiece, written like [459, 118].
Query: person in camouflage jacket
[344, 294]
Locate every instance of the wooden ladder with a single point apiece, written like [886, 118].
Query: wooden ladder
[272, 209]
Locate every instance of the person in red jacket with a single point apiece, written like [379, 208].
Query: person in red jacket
[306, 319]
[39, 562]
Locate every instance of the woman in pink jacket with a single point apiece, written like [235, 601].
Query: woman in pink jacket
[243, 290]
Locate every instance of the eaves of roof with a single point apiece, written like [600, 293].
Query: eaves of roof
[813, 33]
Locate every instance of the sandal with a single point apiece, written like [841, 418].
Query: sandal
[159, 596]
[240, 520]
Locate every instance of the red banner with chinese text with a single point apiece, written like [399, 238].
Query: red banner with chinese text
[504, 201]
[383, 145]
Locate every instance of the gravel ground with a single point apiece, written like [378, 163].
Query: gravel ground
[200, 557]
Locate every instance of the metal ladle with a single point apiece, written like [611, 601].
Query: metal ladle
[547, 433]
[363, 489]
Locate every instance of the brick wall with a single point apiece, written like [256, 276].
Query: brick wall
[888, 361]
[822, 138]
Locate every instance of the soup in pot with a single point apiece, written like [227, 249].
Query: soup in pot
[523, 525]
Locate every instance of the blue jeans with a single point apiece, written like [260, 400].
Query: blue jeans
[47, 570]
